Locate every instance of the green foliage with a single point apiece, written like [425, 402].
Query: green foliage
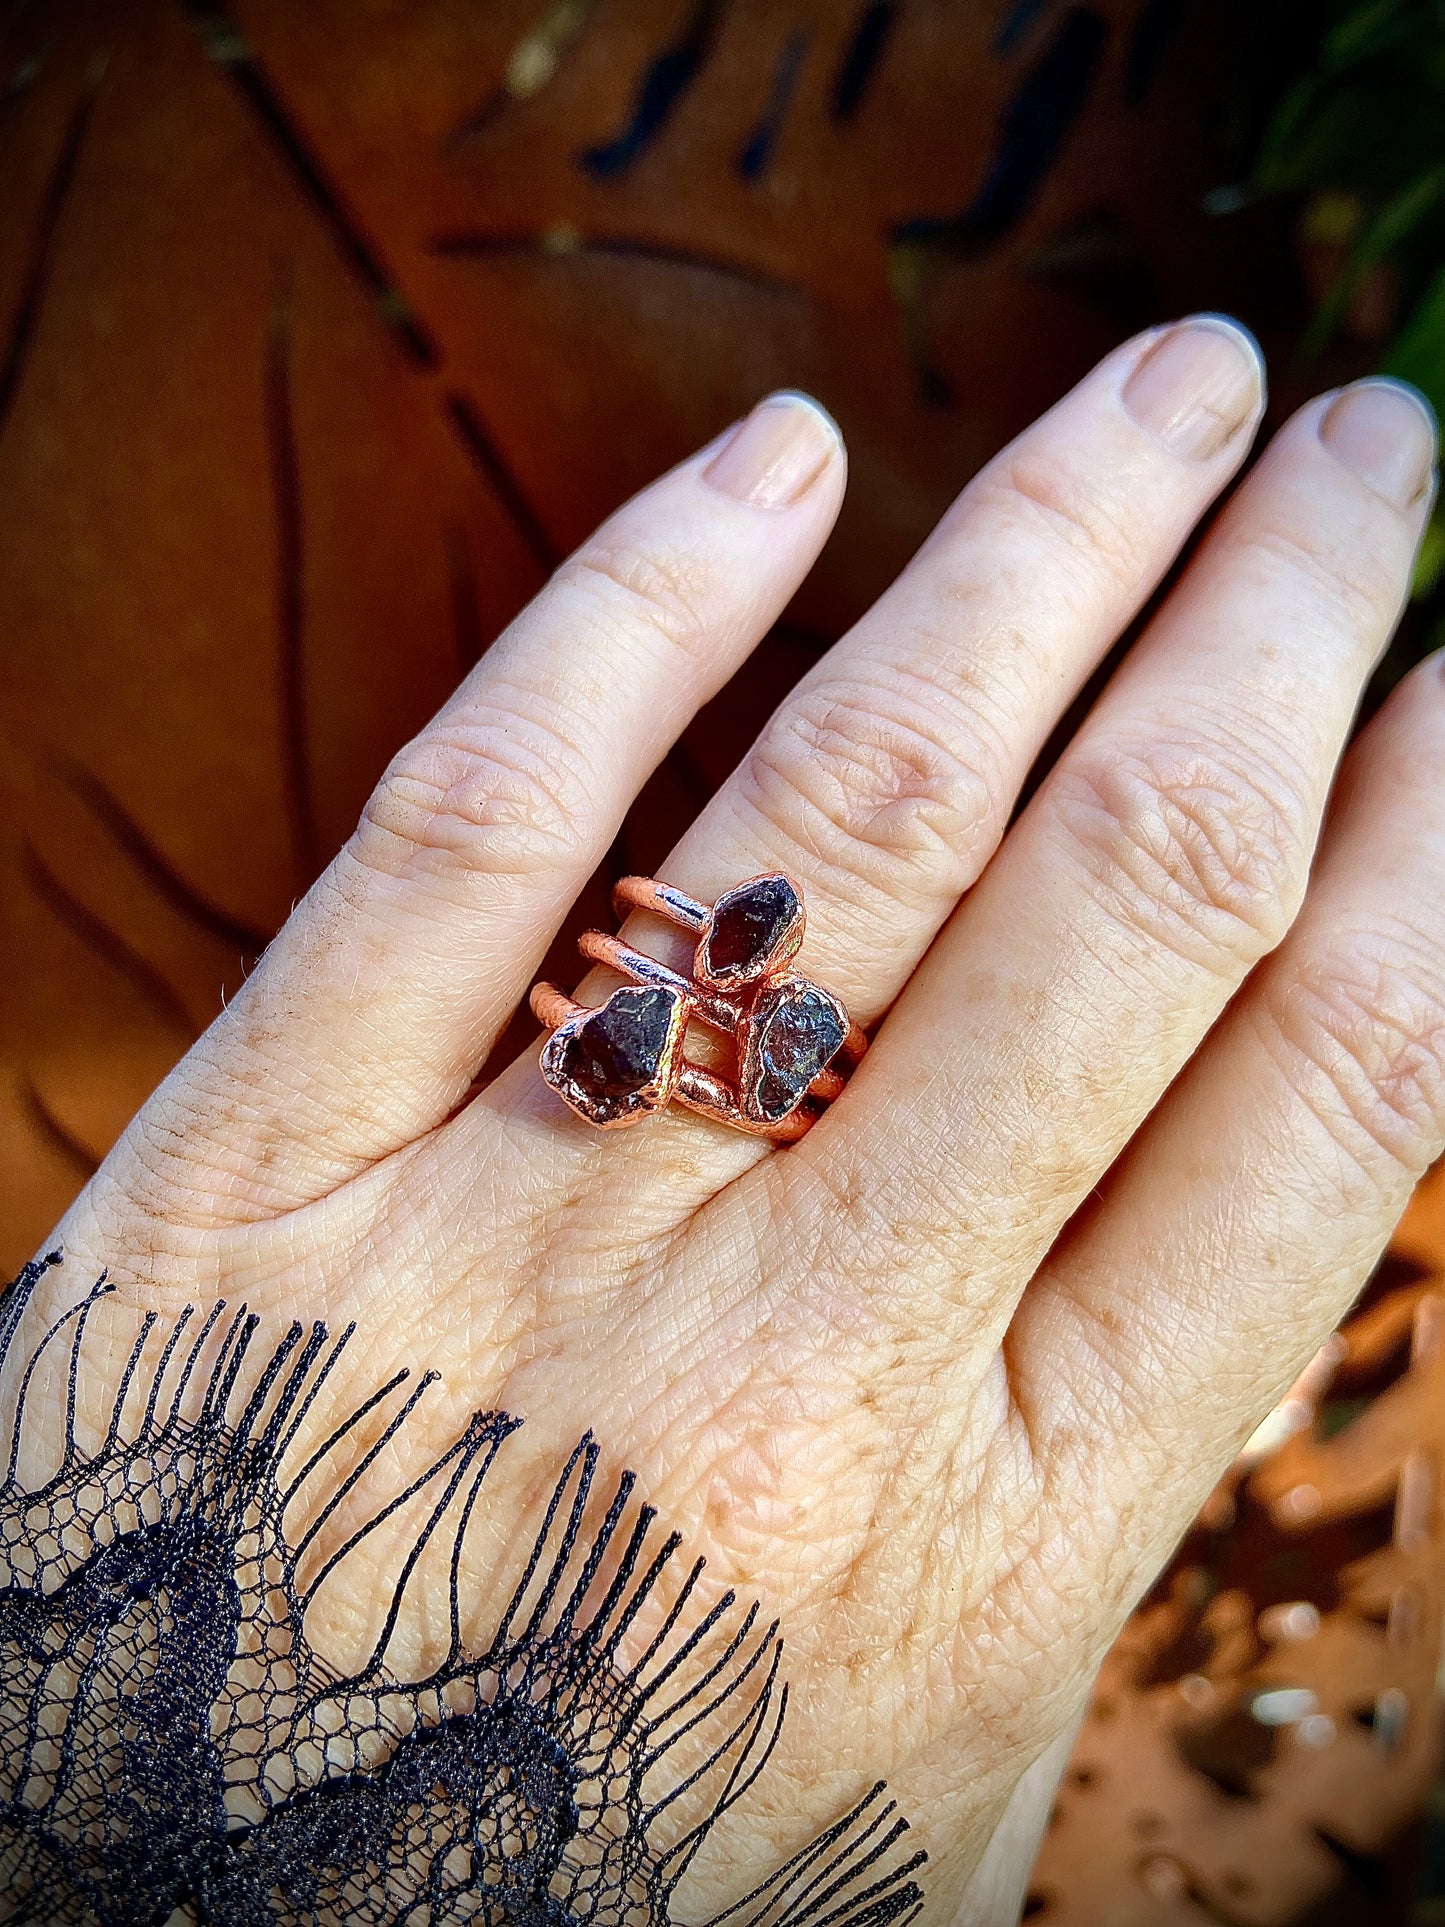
[1369, 114]
[1362, 134]
[1418, 356]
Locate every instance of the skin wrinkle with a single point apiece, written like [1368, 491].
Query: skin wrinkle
[977, 1449]
[1375, 1035]
[468, 792]
[1112, 1396]
[725, 1453]
[1353, 573]
[1092, 521]
[1176, 846]
[1353, 1259]
[988, 692]
[897, 789]
[670, 594]
[302, 1118]
[845, 1272]
[1210, 1443]
[197, 1118]
[675, 595]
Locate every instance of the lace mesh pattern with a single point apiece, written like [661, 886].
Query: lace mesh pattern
[169, 1740]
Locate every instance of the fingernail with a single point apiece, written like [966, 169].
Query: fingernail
[1197, 386]
[1386, 432]
[775, 455]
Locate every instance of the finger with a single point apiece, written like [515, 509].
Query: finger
[375, 1005]
[1164, 856]
[884, 781]
[1253, 1206]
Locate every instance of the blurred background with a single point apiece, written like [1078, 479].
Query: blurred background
[328, 326]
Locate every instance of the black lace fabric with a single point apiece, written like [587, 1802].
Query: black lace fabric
[171, 1748]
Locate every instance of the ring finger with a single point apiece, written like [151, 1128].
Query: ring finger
[884, 781]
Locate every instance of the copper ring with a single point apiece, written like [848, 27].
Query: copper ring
[625, 1059]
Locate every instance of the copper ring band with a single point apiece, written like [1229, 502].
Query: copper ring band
[717, 1010]
[646, 893]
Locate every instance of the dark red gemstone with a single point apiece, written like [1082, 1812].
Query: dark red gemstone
[754, 928]
[795, 1031]
[606, 1063]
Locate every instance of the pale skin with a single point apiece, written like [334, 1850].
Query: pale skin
[1153, 1070]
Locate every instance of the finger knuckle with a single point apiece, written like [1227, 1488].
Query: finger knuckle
[1189, 849]
[873, 791]
[660, 590]
[1040, 492]
[1364, 1035]
[1352, 584]
[503, 795]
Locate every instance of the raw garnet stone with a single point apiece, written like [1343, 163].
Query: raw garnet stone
[753, 929]
[795, 1031]
[607, 1063]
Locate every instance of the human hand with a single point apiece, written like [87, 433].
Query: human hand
[942, 1383]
